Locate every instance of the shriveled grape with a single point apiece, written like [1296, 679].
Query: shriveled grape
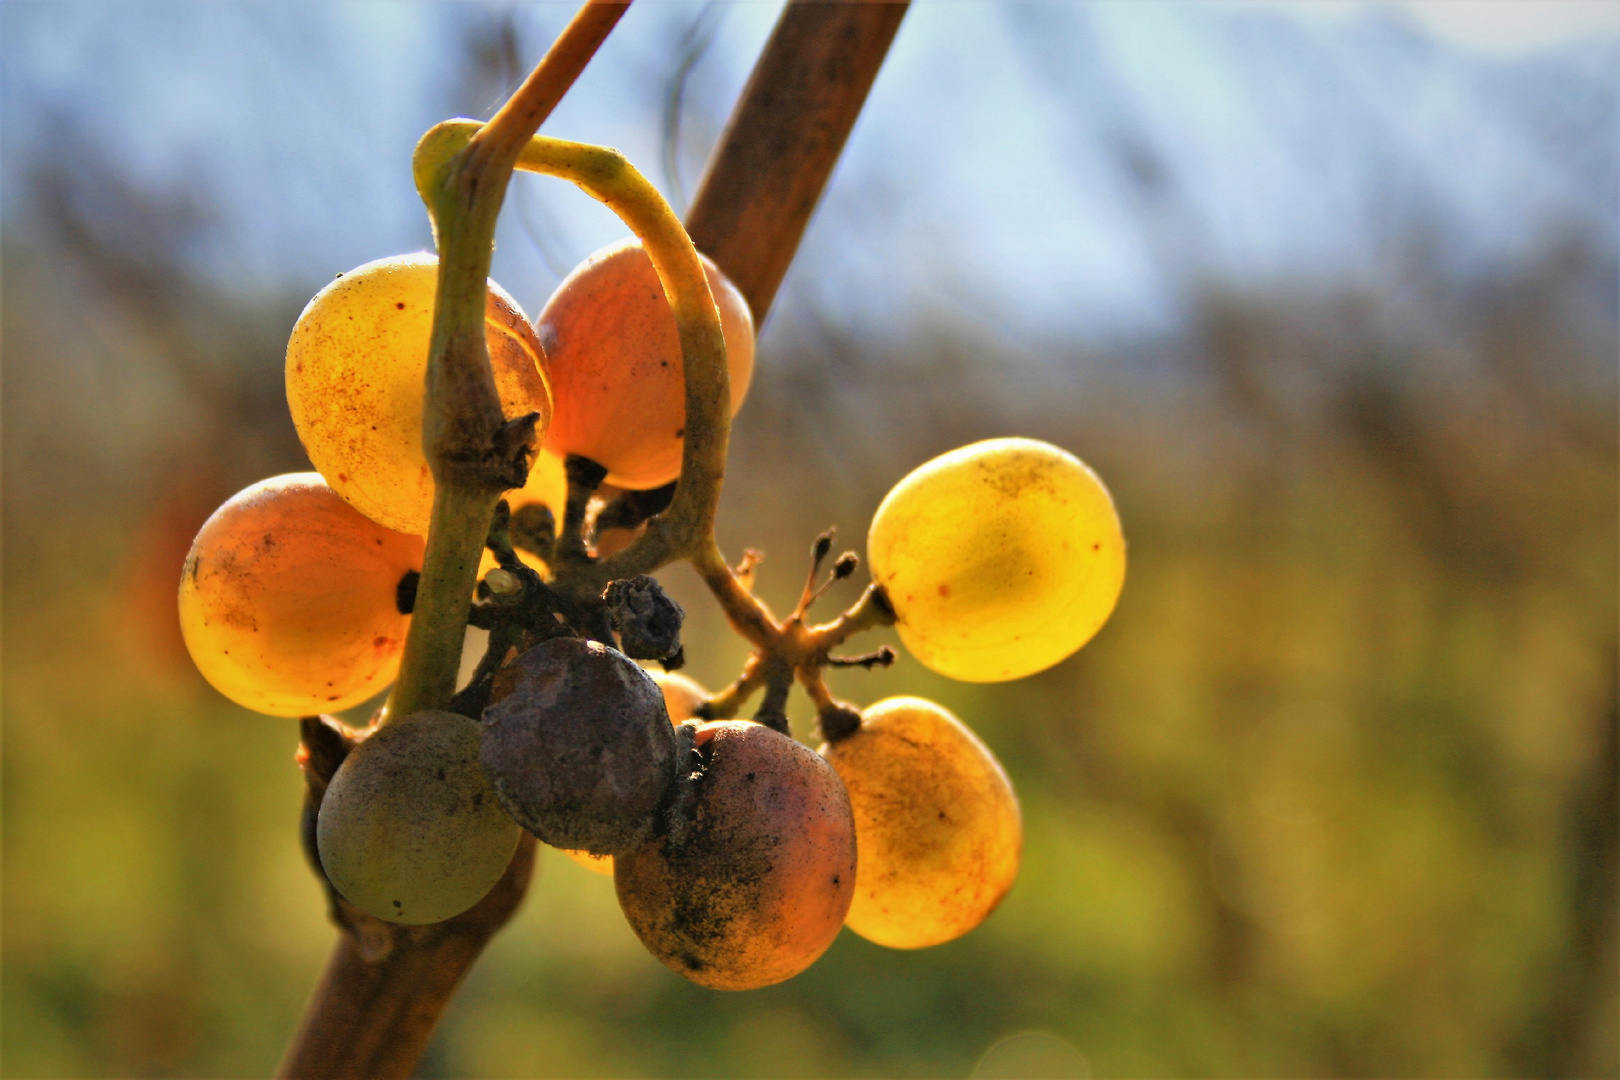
[936, 820]
[756, 884]
[1000, 558]
[409, 830]
[581, 752]
[288, 598]
[616, 364]
[356, 371]
[682, 696]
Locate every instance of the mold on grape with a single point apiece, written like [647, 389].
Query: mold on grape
[579, 750]
[736, 893]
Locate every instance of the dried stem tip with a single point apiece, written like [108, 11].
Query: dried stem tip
[648, 622]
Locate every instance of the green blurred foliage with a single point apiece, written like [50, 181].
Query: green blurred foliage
[1333, 794]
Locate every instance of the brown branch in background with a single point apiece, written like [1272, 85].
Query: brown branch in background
[784, 138]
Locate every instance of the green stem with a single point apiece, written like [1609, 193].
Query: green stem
[686, 528]
[427, 674]
[465, 444]
[474, 452]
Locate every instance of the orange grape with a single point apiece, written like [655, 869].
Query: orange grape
[1000, 558]
[356, 372]
[682, 696]
[288, 599]
[936, 821]
[616, 364]
[755, 888]
[409, 830]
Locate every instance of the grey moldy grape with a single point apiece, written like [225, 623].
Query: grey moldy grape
[581, 752]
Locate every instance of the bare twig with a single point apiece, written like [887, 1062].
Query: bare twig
[385, 986]
[784, 138]
[532, 102]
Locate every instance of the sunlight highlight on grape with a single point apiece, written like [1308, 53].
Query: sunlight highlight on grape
[288, 599]
[356, 370]
[1000, 558]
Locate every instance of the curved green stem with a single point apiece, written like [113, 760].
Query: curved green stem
[688, 523]
[472, 447]
[686, 527]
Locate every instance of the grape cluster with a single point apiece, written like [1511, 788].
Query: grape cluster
[737, 853]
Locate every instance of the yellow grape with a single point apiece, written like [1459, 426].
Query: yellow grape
[409, 830]
[616, 364]
[597, 864]
[356, 371]
[288, 598]
[547, 486]
[937, 829]
[1000, 558]
[682, 696]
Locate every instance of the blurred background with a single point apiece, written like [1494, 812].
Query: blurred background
[1326, 293]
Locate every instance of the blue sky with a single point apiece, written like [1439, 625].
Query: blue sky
[1053, 168]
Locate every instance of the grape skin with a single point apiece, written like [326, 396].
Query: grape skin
[356, 371]
[760, 885]
[938, 826]
[682, 696]
[287, 599]
[1000, 558]
[616, 364]
[547, 486]
[580, 752]
[409, 830]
